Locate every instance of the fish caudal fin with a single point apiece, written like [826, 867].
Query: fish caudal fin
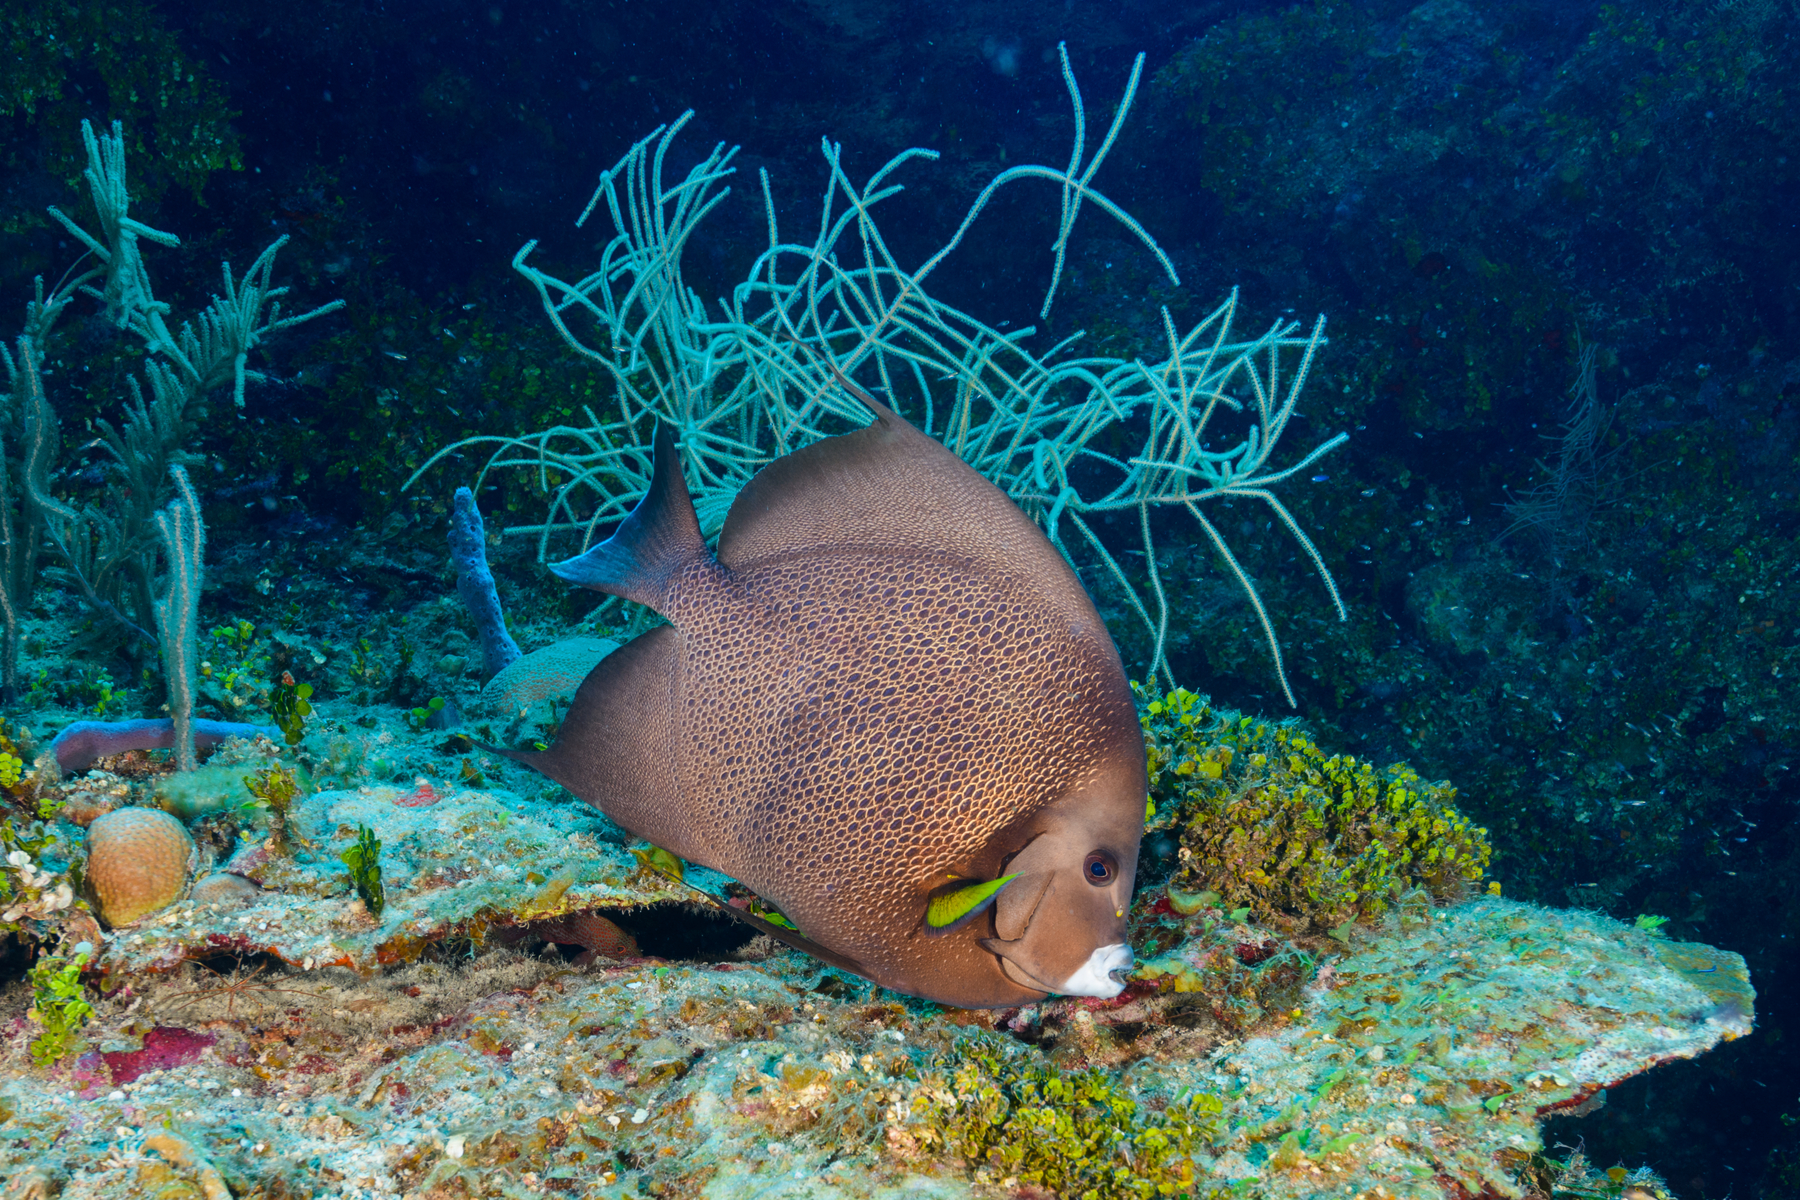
[651, 545]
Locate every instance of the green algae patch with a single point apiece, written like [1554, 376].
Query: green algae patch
[1305, 840]
[1079, 1133]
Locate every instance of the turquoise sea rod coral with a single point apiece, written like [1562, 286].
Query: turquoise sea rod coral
[762, 377]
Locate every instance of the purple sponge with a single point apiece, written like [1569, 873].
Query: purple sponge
[78, 745]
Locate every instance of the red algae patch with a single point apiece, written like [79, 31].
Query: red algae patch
[165, 1047]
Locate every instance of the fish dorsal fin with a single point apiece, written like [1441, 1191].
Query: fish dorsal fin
[890, 487]
[651, 545]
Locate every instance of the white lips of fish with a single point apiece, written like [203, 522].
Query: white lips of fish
[1096, 976]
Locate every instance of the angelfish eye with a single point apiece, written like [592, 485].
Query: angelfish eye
[1099, 868]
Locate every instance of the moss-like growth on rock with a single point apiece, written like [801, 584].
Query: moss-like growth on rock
[1304, 839]
[1080, 1134]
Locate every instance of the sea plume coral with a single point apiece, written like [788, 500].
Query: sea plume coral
[760, 375]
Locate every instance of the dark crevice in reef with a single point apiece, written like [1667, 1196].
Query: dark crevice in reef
[15, 957]
[679, 933]
[231, 964]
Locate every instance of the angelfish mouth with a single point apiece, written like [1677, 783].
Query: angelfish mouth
[1102, 975]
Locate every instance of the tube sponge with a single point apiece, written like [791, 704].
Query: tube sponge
[81, 742]
[139, 860]
[475, 584]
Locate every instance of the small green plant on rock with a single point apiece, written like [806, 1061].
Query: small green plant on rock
[1306, 840]
[364, 860]
[20, 789]
[362, 667]
[13, 758]
[403, 681]
[274, 789]
[99, 689]
[290, 704]
[59, 1006]
[234, 675]
[420, 718]
[1075, 1134]
[238, 637]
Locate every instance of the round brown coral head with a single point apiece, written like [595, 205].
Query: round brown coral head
[139, 862]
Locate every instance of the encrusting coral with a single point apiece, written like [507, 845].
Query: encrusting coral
[1419, 1065]
[1415, 1053]
[139, 860]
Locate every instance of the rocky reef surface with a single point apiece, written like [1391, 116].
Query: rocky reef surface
[272, 1035]
[455, 862]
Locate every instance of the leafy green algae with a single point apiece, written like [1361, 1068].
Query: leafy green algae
[1305, 840]
[1079, 1134]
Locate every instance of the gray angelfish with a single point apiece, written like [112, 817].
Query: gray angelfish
[887, 706]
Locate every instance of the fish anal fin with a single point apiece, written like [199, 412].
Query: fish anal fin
[791, 937]
[651, 545]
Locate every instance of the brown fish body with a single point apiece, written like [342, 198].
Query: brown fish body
[595, 934]
[869, 695]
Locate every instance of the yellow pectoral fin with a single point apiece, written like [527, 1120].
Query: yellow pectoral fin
[947, 908]
[655, 858]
